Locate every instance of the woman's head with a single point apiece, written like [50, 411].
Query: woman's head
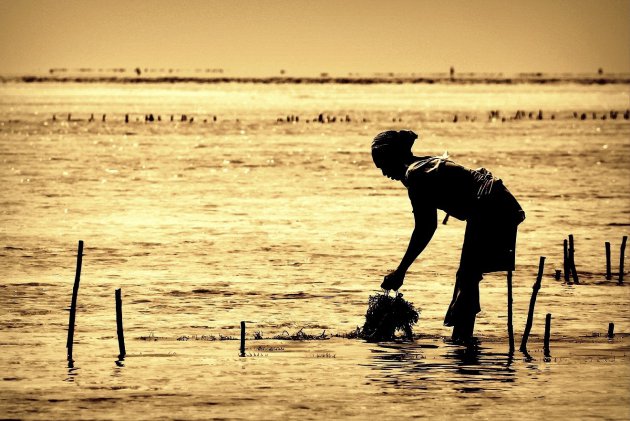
[391, 152]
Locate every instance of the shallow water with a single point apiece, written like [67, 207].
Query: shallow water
[289, 226]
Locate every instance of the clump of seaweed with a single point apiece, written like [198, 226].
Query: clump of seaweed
[386, 315]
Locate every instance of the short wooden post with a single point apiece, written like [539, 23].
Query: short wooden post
[119, 325]
[611, 330]
[608, 271]
[532, 304]
[509, 321]
[621, 258]
[547, 334]
[572, 260]
[73, 304]
[445, 220]
[566, 262]
[557, 275]
[242, 339]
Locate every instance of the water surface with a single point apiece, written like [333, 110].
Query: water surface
[289, 226]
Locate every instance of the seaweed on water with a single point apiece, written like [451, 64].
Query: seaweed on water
[324, 355]
[386, 315]
[269, 348]
[150, 337]
[300, 335]
[353, 334]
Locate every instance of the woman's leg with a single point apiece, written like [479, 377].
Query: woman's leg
[464, 307]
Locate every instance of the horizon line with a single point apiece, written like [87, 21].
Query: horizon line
[325, 78]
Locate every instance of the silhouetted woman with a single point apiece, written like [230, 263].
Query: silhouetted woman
[475, 196]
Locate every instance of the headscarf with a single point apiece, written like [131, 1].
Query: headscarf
[392, 145]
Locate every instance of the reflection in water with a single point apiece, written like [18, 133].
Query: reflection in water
[117, 370]
[72, 372]
[429, 367]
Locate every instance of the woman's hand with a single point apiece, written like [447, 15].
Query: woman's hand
[393, 280]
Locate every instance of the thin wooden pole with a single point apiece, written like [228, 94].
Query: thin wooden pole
[611, 330]
[242, 339]
[547, 334]
[621, 258]
[532, 304]
[608, 271]
[73, 304]
[572, 260]
[119, 325]
[509, 321]
[566, 262]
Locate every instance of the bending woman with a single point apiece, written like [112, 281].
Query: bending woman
[476, 196]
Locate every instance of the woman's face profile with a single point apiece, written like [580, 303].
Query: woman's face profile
[393, 170]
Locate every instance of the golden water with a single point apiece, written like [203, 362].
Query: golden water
[289, 226]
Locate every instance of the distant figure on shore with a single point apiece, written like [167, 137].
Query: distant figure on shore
[452, 72]
[475, 196]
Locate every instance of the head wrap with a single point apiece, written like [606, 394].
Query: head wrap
[392, 146]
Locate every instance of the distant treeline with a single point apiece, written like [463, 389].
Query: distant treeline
[534, 78]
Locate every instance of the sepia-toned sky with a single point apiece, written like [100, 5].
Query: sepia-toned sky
[307, 37]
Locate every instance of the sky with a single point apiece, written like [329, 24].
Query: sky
[308, 37]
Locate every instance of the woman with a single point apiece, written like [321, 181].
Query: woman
[475, 196]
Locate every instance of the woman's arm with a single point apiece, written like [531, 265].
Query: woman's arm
[425, 226]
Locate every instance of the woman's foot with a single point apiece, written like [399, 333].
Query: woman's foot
[463, 330]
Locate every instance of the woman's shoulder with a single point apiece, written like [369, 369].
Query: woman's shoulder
[424, 165]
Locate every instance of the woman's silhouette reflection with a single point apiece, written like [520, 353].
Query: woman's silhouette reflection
[435, 366]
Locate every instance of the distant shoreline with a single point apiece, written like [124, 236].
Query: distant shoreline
[467, 79]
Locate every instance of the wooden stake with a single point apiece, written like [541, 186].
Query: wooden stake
[242, 339]
[509, 321]
[566, 262]
[73, 304]
[532, 304]
[611, 330]
[547, 334]
[621, 258]
[572, 260]
[119, 326]
[608, 271]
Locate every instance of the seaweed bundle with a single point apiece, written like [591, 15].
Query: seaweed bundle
[386, 315]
